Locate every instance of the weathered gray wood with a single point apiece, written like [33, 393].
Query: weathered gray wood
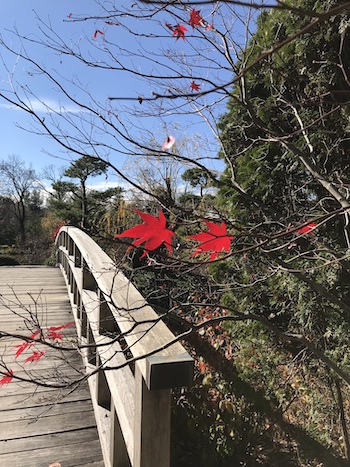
[144, 331]
[47, 441]
[78, 454]
[152, 425]
[121, 383]
[136, 429]
[39, 426]
[118, 451]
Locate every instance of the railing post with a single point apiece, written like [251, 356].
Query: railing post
[152, 425]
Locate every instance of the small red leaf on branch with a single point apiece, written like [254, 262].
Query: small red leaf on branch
[179, 31]
[215, 240]
[97, 32]
[36, 335]
[194, 86]
[35, 357]
[63, 326]
[21, 348]
[195, 18]
[306, 229]
[153, 233]
[7, 378]
[168, 143]
[54, 335]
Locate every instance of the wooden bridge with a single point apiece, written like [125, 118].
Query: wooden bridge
[103, 385]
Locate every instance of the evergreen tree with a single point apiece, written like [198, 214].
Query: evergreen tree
[287, 154]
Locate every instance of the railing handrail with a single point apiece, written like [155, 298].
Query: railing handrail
[137, 406]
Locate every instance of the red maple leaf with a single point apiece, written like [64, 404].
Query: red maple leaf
[195, 18]
[7, 378]
[215, 240]
[194, 86]
[179, 31]
[168, 143]
[97, 32]
[22, 347]
[35, 357]
[153, 232]
[306, 229]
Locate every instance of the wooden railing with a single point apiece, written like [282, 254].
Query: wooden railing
[132, 405]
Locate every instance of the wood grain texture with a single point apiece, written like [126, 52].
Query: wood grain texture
[38, 425]
[143, 330]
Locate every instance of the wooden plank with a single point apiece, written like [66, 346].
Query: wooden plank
[48, 440]
[42, 411]
[41, 397]
[39, 426]
[56, 424]
[68, 455]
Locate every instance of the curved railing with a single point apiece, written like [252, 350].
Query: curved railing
[132, 406]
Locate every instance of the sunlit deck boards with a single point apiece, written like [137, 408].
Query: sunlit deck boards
[40, 426]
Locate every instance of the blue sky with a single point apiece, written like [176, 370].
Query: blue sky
[23, 16]
[27, 17]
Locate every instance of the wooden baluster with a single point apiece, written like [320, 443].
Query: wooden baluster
[152, 425]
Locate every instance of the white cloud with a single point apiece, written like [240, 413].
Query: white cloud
[47, 106]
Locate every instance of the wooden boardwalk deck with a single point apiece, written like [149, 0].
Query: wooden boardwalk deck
[40, 426]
